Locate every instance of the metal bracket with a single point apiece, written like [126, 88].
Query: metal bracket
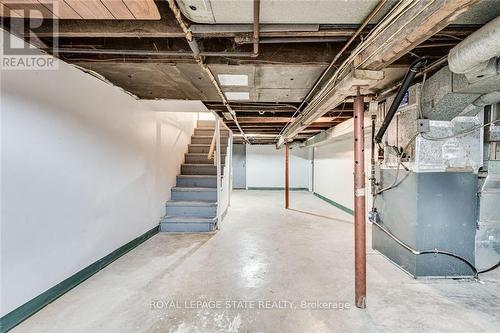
[423, 125]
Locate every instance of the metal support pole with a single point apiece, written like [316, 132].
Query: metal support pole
[218, 162]
[313, 176]
[359, 203]
[287, 174]
[372, 159]
[230, 169]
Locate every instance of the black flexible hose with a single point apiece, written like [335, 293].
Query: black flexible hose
[413, 70]
[490, 269]
[450, 254]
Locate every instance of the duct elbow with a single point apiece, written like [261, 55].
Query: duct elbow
[488, 99]
[474, 52]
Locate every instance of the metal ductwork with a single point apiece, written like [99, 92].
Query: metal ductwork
[473, 53]
[441, 167]
[482, 101]
[488, 99]
[477, 58]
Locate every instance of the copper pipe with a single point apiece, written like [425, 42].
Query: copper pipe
[287, 174]
[359, 203]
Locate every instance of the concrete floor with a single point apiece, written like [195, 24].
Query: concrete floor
[265, 253]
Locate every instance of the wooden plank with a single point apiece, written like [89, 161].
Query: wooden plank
[27, 8]
[78, 9]
[143, 9]
[90, 9]
[167, 28]
[6, 12]
[60, 9]
[118, 9]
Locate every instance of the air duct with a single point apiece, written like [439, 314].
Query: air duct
[488, 99]
[479, 103]
[474, 52]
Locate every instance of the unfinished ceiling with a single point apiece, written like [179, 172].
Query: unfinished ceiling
[140, 46]
[264, 83]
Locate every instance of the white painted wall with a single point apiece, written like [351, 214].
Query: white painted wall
[334, 171]
[265, 167]
[85, 169]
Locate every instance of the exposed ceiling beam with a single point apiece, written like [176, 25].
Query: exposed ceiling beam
[292, 54]
[166, 28]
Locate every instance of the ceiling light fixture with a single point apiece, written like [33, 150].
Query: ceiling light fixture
[237, 96]
[233, 79]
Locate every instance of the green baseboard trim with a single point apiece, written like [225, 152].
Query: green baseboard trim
[16, 316]
[277, 189]
[336, 204]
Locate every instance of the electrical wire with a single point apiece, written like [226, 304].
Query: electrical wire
[450, 36]
[339, 115]
[490, 269]
[433, 251]
[400, 162]
[436, 251]
[420, 96]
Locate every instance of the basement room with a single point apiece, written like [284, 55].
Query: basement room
[249, 166]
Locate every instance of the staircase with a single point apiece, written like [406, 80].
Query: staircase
[193, 204]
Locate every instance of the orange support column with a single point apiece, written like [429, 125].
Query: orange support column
[287, 188]
[359, 203]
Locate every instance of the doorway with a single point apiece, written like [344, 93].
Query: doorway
[239, 166]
